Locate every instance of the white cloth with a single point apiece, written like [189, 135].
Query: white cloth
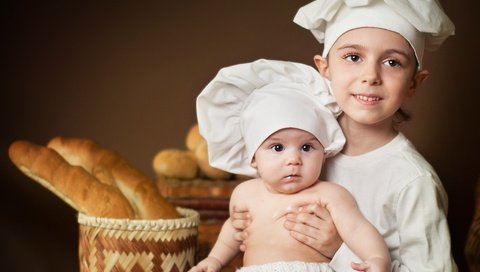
[421, 22]
[401, 195]
[246, 103]
[287, 267]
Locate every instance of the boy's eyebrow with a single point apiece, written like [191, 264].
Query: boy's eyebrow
[398, 51]
[389, 51]
[350, 46]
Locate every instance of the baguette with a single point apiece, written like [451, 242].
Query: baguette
[72, 184]
[109, 167]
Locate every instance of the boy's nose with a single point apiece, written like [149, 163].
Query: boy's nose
[371, 74]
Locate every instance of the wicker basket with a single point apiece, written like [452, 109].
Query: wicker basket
[107, 244]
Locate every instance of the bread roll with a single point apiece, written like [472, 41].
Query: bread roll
[201, 154]
[72, 184]
[109, 166]
[193, 138]
[175, 163]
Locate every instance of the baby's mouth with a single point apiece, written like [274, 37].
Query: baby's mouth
[292, 176]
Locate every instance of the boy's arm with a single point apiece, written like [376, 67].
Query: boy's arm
[355, 230]
[423, 228]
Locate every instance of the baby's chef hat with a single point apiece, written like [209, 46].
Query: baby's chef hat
[246, 103]
[421, 22]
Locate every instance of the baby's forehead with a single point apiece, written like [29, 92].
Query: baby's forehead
[290, 133]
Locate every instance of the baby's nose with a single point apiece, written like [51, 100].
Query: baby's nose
[294, 159]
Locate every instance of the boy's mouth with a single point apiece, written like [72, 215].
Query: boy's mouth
[367, 99]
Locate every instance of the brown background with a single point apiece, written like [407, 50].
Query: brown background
[126, 74]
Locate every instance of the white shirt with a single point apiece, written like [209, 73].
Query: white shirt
[399, 192]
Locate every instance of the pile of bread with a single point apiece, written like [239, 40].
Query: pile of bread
[189, 163]
[93, 180]
[99, 182]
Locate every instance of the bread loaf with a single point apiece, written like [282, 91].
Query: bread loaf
[193, 138]
[175, 163]
[72, 184]
[111, 168]
[201, 153]
[197, 144]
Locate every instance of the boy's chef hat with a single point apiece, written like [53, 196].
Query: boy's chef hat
[246, 103]
[421, 22]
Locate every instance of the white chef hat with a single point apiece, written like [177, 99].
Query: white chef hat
[246, 103]
[421, 22]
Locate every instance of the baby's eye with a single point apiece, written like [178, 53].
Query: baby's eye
[278, 147]
[307, 147]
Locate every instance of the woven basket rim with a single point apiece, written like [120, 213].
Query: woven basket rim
[190, 218]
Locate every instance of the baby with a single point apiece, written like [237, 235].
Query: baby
[275, 121]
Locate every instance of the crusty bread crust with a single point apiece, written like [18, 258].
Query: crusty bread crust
[72, 184]
[112, 169]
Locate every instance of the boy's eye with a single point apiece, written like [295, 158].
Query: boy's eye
[352, 57]
[277, 147]
[392, 63]
[307, 147]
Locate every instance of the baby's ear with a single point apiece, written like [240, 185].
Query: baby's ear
[419, 78]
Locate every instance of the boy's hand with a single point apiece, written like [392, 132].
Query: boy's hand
[313, 226]
[240, 221]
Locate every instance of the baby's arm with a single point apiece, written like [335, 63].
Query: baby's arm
[222, 253]
[226, 247]
[361, 236]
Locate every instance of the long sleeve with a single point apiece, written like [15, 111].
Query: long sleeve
[424, 239]
[399, 192]
[423, 229]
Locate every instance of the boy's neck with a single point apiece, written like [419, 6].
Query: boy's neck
[363, 138]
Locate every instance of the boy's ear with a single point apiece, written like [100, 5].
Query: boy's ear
[253, 163]
[419, 78]
[322, 66]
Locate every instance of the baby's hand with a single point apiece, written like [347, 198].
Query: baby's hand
[360, 267]
[372, 265]
[208, 264]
